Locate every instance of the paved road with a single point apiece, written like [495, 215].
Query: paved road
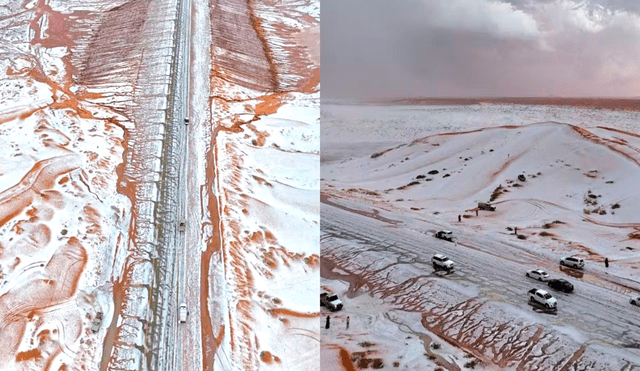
[180, 112]
[598, 308]
[164, 336]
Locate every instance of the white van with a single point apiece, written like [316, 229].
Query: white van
[183, 313]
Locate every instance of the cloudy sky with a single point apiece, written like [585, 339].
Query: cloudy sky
[480, 48]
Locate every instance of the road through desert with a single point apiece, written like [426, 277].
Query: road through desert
[99, 167]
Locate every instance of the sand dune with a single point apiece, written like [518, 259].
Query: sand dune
[569, 188]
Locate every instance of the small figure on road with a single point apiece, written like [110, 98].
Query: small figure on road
[606, 262]
[476, 212]
[516, 230]
[459, 218]
[347, 322]
[327, 324]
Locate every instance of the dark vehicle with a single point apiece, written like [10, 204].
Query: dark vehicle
[486, 206]
[561, 285]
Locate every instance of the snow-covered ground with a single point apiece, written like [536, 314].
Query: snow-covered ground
[253, 208]
[61, 220]
[84, 131]
[393, 175]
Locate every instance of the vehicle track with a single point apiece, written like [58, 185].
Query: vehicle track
[609, 318]
[469, 269]
[164, 341]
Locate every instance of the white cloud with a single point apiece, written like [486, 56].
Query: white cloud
[584, 16]
[499, 19]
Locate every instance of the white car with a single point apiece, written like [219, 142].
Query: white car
[544, 298]
[572, 261]
[445, 235]
[183, 313]
[635, 300]
[538, 274]
[440, 261]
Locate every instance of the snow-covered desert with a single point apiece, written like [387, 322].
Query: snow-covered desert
[564, 183]
[155, 154]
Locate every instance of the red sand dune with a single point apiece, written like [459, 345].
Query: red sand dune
[248, 59]
[57, 284]
[41, 177]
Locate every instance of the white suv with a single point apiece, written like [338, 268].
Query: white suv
[572, 261]
[445, 235]
[440, 261]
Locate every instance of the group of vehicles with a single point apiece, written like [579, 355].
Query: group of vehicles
[542, 297]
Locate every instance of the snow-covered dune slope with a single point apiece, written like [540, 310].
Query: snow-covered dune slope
[82, 84]
[564, 177]
[584, 177]
[352, 131]
[258, 205]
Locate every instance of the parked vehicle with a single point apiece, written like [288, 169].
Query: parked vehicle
[186, 121]
[440, 261]
[486, 206]
[544, 298]
[96, 322]
[560, 284]
[445, 235]
[183, 313]
[572, 261]
[181, 226]
[330, 301]
[538, 274]
[635, 300]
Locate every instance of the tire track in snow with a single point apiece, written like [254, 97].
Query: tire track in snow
[618, 313]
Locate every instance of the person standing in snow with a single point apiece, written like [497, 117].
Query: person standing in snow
[459, 218]
[347, 322]
[606, 262]
[516, 230]
[327, 324]
[476, 212]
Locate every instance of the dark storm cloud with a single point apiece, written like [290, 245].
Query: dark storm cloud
[381, 48]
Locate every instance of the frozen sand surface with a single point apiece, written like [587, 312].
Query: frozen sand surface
[86, 88]
[390, 186]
